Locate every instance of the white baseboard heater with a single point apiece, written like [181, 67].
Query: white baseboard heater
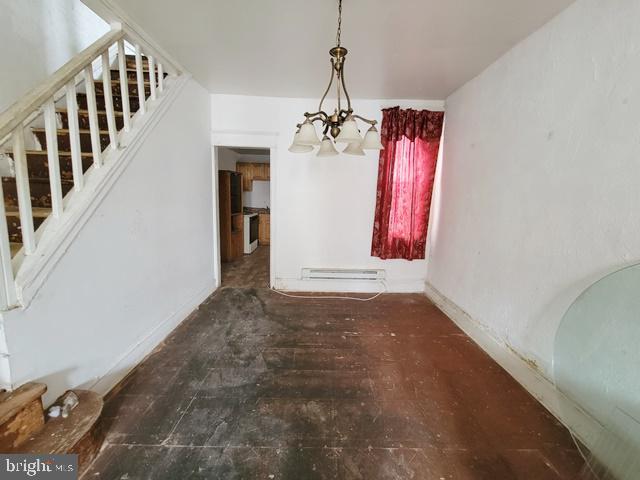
[342, 274]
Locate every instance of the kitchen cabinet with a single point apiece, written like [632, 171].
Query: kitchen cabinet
[231, 218]
[247, 176]
[264, 229]
[251, 172]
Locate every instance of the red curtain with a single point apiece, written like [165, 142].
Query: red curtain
[406, 172]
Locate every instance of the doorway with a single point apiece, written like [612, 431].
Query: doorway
[244, 194]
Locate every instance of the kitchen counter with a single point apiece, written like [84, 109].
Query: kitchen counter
[250, 210]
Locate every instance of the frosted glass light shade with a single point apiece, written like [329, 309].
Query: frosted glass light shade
[296, 147]
[308, 135]
[300, 148]
[354, 148]
[326, 148]
[349, 132]
[372, 140]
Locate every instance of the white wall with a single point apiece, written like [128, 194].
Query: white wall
[539, 192]
[323, 208]
[39, 36]
[227, 159]
[138, 267]
[259, 196]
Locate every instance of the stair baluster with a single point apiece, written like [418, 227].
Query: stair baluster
[108, 100]
[23, 191]
[152, 77]
[74, 136]
[53, 158]
[94, 125]
[140, 78]
[7, 292]
[160, 78]
[124, 85]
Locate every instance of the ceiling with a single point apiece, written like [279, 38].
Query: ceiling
[250, 151]
[410, 49]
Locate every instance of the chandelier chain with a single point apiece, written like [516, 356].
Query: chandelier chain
[339, 23]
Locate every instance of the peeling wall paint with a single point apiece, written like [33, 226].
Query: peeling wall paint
[538, 191]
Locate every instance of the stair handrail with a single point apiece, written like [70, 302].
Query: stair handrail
[38, 96]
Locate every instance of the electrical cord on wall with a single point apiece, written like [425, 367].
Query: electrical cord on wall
[334, 297]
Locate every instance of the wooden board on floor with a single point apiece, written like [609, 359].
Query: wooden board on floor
[21, 414]
[78, 433]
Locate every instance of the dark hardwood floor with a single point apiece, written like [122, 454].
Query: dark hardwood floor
[259, 386]
[249, 271]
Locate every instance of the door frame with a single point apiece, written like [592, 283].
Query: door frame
[242, 139]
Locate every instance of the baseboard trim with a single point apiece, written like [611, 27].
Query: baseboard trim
[579, 422]
[138, 352]
[352, 286]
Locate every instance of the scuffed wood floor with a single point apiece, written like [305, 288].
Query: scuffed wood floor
[258, 386]
[250, 271]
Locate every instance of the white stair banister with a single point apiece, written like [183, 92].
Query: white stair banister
[124, 85]
[94, 124]
[74, 136]
[152, 76]
[160, 77]
[108, 101]
[24, 193]
[140, 78]
[52, 158]
[7, 290]
[23, 270]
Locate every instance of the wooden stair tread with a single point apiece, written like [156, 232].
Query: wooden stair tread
[133, 69]
[86, 112]
[15, 247]
[37, 212]
[36, 179]
[66, 130]
[130, 82]
[12, 402]
[62, 153]
[62, 435]
[113, 94]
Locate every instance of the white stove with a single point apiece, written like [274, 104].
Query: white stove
[251, 223]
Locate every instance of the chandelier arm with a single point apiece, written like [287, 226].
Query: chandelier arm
[344, 87]
[312, 117]
[333, 72]
[338, 82]
[366, 120]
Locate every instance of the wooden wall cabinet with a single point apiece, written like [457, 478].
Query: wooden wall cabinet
[231, 218]
[251, 172]
[264, 229]
[247, 178]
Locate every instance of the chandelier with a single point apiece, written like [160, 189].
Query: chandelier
[341, 124]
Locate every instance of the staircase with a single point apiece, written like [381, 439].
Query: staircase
[37, 159]
[66, 134]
